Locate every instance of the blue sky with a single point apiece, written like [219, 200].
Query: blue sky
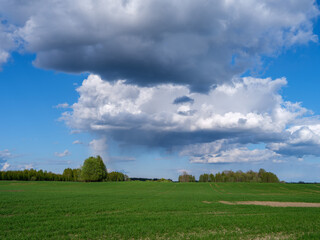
[107, 83]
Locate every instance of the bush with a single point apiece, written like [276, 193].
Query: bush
[117, 177]
[93, 170]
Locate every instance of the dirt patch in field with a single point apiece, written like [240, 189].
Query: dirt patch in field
[273, 204]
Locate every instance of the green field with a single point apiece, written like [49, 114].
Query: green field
[155, 210]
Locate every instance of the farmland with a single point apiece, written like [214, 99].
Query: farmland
[156, 210]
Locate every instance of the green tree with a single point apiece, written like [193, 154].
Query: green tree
[116, 176]
[93, 170]
[211, 178]
[68, 174]
[204, 177]
[76, 173]
[185, 177]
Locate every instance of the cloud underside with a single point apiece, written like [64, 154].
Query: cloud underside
[213, 127]
[195, 43]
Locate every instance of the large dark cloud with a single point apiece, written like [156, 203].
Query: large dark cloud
[197, 43]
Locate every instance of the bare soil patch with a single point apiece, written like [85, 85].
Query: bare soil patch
[273, 204]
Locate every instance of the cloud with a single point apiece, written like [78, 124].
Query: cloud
[122, 159]
[181, 171]
[220, 123]
[195, 43]
[278, 161]
[77, 142]
[241, 155]
[27, 166]
[4, 156]
[302, 140]
[250, 109]
[224, 151]
[170, 71]
[99, 147]
[7, 40]
[183, 99]
[63, 154]
[62, 105]
[5, 166]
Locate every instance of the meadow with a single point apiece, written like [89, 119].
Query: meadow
[155, 210]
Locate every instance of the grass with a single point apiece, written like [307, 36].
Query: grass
[152, 210]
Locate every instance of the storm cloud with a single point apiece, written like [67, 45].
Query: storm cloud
[195, 43]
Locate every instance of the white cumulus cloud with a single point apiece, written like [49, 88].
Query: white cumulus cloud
[248, 110]
[247, 105]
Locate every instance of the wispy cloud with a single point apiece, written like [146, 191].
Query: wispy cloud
[121, 159]
[5, 154]
[63, 154]
[5, 166]
[62, 105]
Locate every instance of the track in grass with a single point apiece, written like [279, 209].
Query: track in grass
[152, 210]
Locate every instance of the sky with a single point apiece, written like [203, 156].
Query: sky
[161, 87]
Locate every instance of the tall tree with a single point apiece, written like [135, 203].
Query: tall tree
[93, 170]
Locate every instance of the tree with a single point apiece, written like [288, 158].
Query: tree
[76, 173]
[93, 170]
[204, 177]
[185, 177]
[68, 174]
[239, 176]
[116, 176]
[211, 178]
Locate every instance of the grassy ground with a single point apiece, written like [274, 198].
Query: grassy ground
[151, 210]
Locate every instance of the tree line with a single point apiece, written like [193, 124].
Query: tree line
[93, 170]
[230, 176]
